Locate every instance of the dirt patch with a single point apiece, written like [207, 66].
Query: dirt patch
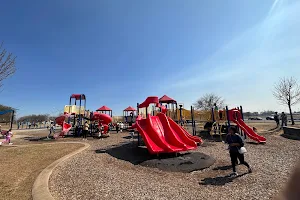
[21, 165]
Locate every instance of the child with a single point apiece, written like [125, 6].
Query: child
[117, 127]
[131, 133]
[101, 131]
[51, 130]
[8, 135]
[121, 127]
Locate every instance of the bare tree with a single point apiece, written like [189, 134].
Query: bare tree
[207, 101]
[7, 64]
[287, 92]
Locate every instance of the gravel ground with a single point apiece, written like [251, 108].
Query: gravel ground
[91, 175]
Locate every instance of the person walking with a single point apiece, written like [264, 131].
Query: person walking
[283, 119]
[276, 118]
[235, 143]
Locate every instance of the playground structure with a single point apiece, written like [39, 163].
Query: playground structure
[160, 133]
[171, 106]
[66, 127]
[76, 113]
[236, 116]
[129, 115]
[102, 120]
[221, 120]
[105, 110]
[216, 122]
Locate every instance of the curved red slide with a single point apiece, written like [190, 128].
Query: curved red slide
[152, 147]
[182, 132]
[172, 137]
[161, 136]
[249, 132]
[153, 136]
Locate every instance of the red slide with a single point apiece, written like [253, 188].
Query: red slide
[173, 137]
[249, 132]
[161, 136]
[183, 133]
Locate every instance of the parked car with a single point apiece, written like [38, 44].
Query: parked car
[254, 118]
[270, 118]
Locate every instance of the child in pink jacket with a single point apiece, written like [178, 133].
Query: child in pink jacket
[8, 136]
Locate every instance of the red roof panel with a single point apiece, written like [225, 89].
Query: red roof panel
[104, 108]
[148, 101]
[130, 109]
[77, 96]
[166, 99]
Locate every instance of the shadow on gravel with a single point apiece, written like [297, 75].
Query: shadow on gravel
[205, 135]
[207, 144]
[221, 180]
[274, 129]
[226, 167]
[180, 162]
[251, 142]
[38, 138]
[129, 137]
[291, 137]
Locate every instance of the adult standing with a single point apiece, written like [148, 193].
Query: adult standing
[117, 127]
[276, 118]
[85, 130]
[283, 119]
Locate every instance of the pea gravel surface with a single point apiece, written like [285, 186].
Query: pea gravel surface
[95, 174]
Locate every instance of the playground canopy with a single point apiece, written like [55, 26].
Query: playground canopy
[171, 105]
[166, 99]
[129, 108]
[5, 111]
[78, 96]
[129, 114]
[148, 101]
[104, 108]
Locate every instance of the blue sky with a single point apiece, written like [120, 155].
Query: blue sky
[119, 52]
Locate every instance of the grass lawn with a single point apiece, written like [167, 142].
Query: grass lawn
[21, 165]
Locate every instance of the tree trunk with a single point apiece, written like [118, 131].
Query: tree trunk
[291, 113]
